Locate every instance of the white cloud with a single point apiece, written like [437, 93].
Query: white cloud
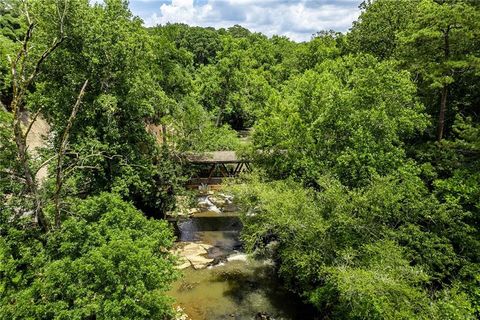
[297, 19]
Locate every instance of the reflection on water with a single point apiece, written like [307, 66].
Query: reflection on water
[236, 290]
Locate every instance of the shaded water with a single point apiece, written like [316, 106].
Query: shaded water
[236, 290]
[237, 287]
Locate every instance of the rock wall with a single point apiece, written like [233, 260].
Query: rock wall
[36, 139]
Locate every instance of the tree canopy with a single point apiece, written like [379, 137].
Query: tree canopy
[365, 144]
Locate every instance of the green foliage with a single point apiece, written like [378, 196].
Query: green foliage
[382, 285]
[107, 261]
[196, 131]
[364, 216]
[323, 46]
[203, 43]
[441, 32]
[370, 253]
[233, 89]
[11, 29]
[438, 45]
[375, 31]
[111, 148]
[348, 116]
[7, 151]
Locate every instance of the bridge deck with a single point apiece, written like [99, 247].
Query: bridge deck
[224, 162]
[215, 157]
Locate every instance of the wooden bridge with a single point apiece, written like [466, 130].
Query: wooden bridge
[216, 166]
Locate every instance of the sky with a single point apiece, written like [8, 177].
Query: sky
[296, 19]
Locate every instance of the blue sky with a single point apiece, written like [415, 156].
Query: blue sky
[296, 19]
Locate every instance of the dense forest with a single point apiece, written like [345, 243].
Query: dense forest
[366, 148]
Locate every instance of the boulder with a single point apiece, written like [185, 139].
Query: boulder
[199, 262]
[228, 198]
[214, 209]
[192, 211]
[193, 254]
[218, 201]
[182, 263]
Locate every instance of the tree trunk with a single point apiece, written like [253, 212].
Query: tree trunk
[30, 183]
[164, 135]
[441, 115]
[20, 82]
[443, 100]
[61, 153]
[219, 118]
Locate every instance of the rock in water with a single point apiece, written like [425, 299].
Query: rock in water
[206, 204]
[217, 201]
[180, 314]
[193, 254]
[228, 198]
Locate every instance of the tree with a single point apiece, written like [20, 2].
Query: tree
[101, 258]
[195, 130]
[11, 32]
[352, 253]
[323, 46]
[203, 43]
[349, 117]
[285, 63]
[106, 262]
[375, 31]
[25, 67]
[390, 250]
[133, 83]
[232, 89]
[438, 44]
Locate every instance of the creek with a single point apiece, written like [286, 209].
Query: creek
[219, 281]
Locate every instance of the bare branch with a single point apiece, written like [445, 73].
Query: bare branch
[12, 174]
[44, 56]
[61, 154]
[23, 56]
[43, 164]
[26, 39]
[56, 42]
[61, 15]
[27, 15]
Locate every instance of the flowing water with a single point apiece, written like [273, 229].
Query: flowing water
[236, 286]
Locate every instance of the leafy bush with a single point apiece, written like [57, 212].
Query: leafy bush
[107, 262]
[386, 251]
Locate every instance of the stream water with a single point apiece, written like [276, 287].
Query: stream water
[235, 286]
